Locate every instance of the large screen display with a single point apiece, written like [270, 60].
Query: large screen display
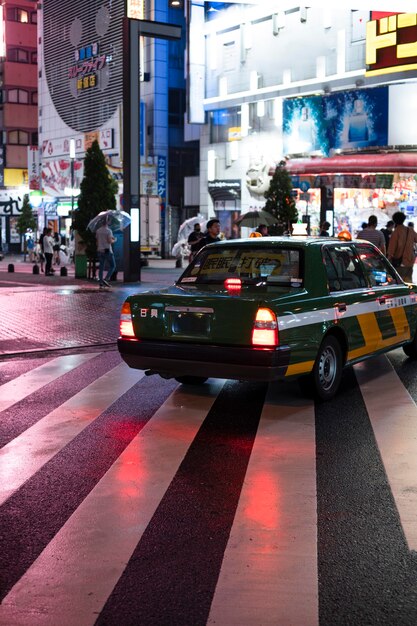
[339, 121]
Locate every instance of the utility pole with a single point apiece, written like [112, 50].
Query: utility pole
[132, 31]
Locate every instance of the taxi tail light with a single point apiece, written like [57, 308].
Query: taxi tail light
[126, 324]
[265, 329]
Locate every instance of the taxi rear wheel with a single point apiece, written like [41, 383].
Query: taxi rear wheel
[190, 380]
[410, 349]
[327, 371]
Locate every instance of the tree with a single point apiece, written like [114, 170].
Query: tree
[26, 220]
[97, 193]
[279, 200]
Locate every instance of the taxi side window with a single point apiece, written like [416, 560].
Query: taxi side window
[343, 269]
[377, 270]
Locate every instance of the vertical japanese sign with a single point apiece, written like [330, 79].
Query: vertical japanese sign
[34, 170]
[162, 177]
[1, 166]
[162, 192]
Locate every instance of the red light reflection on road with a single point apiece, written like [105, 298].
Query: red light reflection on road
[264, 499]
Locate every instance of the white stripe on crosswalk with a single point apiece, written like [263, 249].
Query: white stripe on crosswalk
[27, 453]
[22, 386]
[103, 532]
[393, 416]
[269, 573]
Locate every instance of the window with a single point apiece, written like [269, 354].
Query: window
[176, 107]
[34, 57]
[34, 139]
[261, 267]
[343, 269]
[18, 55]
[377, 270]
[224, 124]
[15, 14]
[34, 17]
[34, 97]
[19, 137]
[20, 96]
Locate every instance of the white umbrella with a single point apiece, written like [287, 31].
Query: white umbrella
[187, 227]
[116, 220]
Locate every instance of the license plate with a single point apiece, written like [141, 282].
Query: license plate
[190, 324]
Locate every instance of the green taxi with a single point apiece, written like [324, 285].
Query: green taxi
[271, 308]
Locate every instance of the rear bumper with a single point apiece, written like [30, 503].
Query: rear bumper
[173, 359]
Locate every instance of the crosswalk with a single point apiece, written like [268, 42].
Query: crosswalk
[135, 500]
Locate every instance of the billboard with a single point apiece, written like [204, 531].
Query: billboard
[340, 121]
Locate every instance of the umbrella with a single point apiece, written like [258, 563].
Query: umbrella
[116, 220]
[252, 219]
[187, 227]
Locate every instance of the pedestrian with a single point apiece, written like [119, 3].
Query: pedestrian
[401, 247]
[370, 233]
[387, 232]
[30, 246]
[104, 239]
[324, 230]
[57, 243]
[211, 236]
[48, 249]
[262, 230]
[193, 239]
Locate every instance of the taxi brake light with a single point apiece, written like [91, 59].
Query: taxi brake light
[126, 325]
[265, 329]
[233, 284]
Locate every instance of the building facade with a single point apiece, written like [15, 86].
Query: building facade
[331, 91]
[19, 110]
[81, 99]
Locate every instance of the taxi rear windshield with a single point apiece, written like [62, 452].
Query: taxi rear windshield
[279, 266]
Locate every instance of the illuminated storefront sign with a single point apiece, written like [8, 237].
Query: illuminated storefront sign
[391, 44]
[135, 9]
[87, 67]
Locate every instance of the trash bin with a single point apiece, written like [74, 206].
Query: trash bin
[80, 266]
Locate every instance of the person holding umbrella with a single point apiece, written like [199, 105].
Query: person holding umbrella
[212, 235]
[104, 239]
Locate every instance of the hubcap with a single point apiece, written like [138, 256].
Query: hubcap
[327, 368]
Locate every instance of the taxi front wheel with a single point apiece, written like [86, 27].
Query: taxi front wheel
[327, 371]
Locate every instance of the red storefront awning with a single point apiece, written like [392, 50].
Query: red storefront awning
[402, 162]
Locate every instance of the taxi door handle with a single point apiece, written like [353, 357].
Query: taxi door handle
[341, 307]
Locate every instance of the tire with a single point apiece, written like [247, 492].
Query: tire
[190, 380]
[410, 349]
[327, 370]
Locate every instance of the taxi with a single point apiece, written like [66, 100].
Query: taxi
[272, 308]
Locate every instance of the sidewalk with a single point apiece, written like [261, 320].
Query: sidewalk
[41, 312]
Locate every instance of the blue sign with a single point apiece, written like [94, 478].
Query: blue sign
[162, 176]
[304, 185]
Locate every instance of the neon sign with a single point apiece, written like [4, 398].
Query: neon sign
[391, 44]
